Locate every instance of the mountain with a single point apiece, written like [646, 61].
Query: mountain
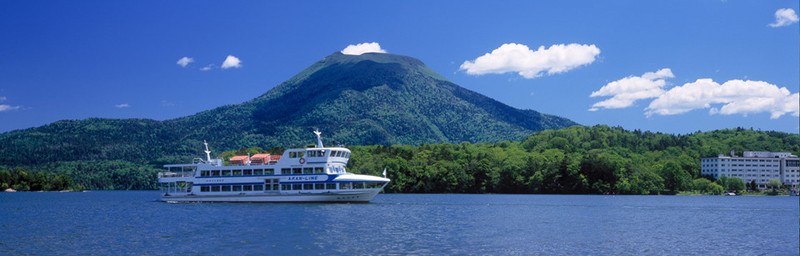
[363, 99]
[371, 99]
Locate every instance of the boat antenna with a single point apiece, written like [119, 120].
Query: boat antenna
[208, 152]
[319, 138]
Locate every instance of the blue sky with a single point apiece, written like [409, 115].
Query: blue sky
[666, 66]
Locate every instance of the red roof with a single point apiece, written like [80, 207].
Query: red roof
[260, 156]
[238, 158]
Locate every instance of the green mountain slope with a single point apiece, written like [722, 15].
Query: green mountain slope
[356, 100]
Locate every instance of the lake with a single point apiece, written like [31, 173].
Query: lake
[133, 223]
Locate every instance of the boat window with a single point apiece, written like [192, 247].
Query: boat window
[285, 171]
[204, 189]
[319, 170]
[292, 154]
[319, 186]
[248, 172]
[226, 188]
[316, 153]
[286, 187]
[226, 172]
[358, 185]
[374, 184]
[308, 186]
[344, 185]
[347, 155]
[330, 185]
[301, 154]
[269, 171]
[297, 186]
[297, 171]
[247, 187]
[258, 187]
[215, 188]
[308, 170]
[237, 188]
[204, 173]
[237, 172]
[215, 173]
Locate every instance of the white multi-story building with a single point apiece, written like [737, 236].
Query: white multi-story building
[754, 165]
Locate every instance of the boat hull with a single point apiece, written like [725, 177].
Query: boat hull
[363, 196]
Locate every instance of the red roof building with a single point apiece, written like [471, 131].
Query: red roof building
[260, 159]
[240, 160]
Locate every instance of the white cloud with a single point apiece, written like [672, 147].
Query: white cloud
[784, 17]
[166, 103]
[529, 64]
[362, 48]
[735, 96]
[4, 107]
[183, 62]
[231, 62]
[123, 105]
[207, 67]
[626, 91]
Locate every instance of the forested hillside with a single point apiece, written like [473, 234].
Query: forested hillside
[594, 160]
[369, 99]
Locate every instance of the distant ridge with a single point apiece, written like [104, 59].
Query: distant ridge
[363, 99]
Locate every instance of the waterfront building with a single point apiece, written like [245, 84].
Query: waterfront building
[754, 165]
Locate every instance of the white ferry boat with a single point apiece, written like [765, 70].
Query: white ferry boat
[315, 174]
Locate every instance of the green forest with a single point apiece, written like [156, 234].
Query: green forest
[575, 160]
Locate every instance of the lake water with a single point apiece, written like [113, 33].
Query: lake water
[133, 223]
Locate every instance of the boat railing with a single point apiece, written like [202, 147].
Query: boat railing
[174, 174]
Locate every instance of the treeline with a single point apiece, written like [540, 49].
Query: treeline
[585, 160]
[81, 175]
[20, 179]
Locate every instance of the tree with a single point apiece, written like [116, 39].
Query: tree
[705, 186]
[675, 179]
[732, 184]
[775, 184]
[753, 186]
[735, 184]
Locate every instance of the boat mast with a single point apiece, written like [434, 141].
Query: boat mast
[319, 138]
[208, 152]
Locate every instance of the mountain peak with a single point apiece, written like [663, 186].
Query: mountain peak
[339, 57]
